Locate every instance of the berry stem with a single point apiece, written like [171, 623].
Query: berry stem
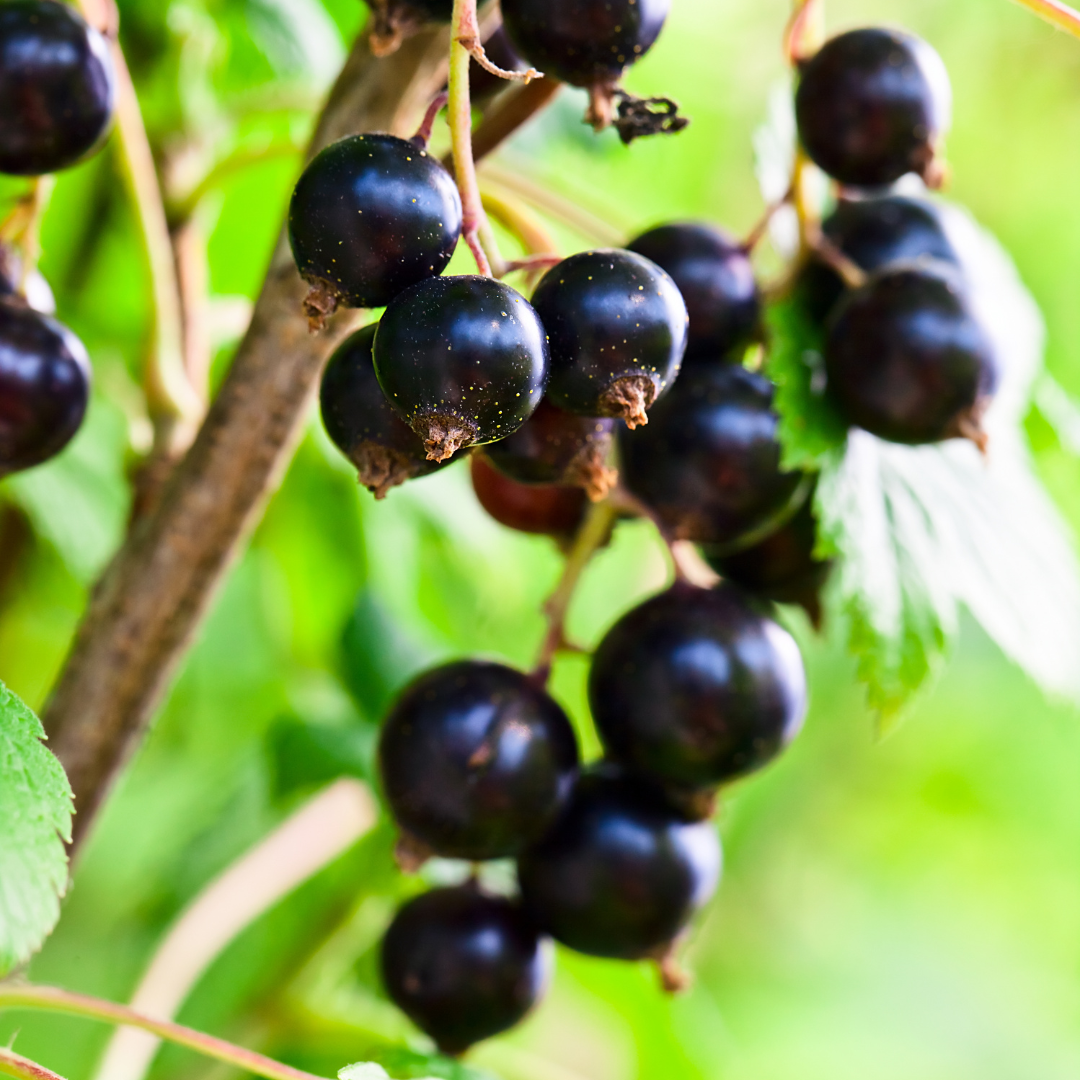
[423, 132]
[761, 227]
[12, 1064]
[592, 535]
[805, 32]
[22, 228]
[1056, 13]
[53, 999]
[475, 227]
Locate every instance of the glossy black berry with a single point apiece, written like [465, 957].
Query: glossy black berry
[545, 509]
[57, 87]
[781, 567]
[371, 216]
[713, 273]
[463, 360]
[361, 424]
[622, 871]
[476, 759]
[44, 387]
[584, 42]
[557, 447]
[908, 360]
[697, 686]
[463, 965]
[872, 105]
[708, 464]
[617, 327]
[874, 233]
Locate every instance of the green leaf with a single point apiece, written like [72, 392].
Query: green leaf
[35, 817]
[304, 755]
[810, 425]
[922, 531]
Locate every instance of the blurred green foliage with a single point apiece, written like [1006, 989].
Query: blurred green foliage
[891, 909]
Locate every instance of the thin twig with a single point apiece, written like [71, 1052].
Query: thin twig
[592, 535]
[531, 263]
[53, 999]
[1056, 13]
[761, 227]
[12, 1064]
[423, 132]
[475, 228]
[851, 273]
[805, 32]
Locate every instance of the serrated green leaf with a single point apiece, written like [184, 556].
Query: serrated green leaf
[810, 425]
[35, 817]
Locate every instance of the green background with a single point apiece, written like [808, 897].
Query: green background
[892, 909]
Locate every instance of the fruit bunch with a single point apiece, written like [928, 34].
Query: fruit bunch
[57, 79]
[630, 378]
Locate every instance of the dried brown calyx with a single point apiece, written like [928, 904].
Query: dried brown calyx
[320, 303]
[628, 398]
[380, 468]
[393, 21]
[968, 425]
[444, 436]
[589, 469]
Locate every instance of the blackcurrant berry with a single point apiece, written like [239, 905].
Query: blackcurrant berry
[44, 387]
[617, 327]
[371, 216]
[464, 966]
[714, 275]
[557, 447]
[622, 871]
[908, 360]
[57, 85]
[872, 105]
[476, 759]
[545, 509]
[697, 686]
[361, 424]
[584, 42]
[708, 464]
[874, 233]
[463, 360]
[782, 567]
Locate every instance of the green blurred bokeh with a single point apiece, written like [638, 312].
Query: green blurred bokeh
[894, 909]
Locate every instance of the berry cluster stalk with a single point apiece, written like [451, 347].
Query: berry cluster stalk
[12, 1064]
[51, 999]
[475, 226]
[1056, 13]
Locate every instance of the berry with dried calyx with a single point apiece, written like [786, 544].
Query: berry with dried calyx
[464, 965]
[44, 387]
[716, 279]
[617, 327]
[622, 871]
[361, 424]
[874, 233]
[371, 216]
[708, 464]
[476, 759]
[544, 509]
[908, 360]
[872, 105]
[463, 360]
[57, 85]
[557, 447]
[697, 686]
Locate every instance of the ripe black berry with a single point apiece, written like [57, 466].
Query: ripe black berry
[622, 871]
[584, 42]
[476, 759]
[873, 104]
[782, 567]
[370, 216]
[874, 233]
[557, 447]
[44, 387]
[697, 686]
[57, 86]
[463, 360]
[907, 359]
[708, 464]
[361, 424]
[617, 327]
[463, 965]
[714, 275]
[545, 509]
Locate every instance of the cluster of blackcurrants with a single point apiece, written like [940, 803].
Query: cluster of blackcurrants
[57, 84]
[695, 687]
